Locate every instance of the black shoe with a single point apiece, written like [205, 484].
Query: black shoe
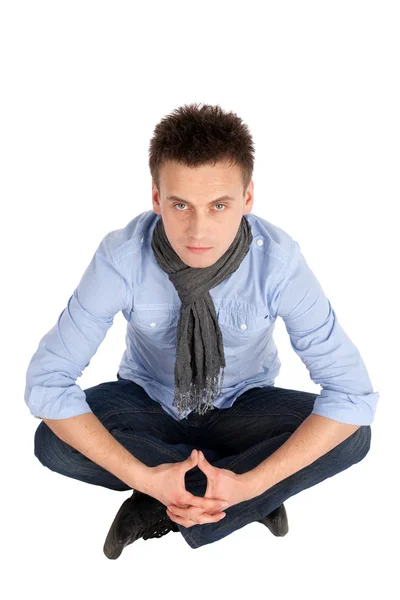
[140, 516]
[277, 521]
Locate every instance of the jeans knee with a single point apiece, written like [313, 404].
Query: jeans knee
[38, 441]
[367, 434]
[47, 447]
[361, 442]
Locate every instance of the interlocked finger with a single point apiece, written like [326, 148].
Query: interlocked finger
[190, 517]
[179, 520]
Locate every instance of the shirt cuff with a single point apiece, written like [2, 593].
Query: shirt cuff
[57, 403]
[353, 409]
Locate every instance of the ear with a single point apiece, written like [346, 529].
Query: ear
[155, 197]
[249, 198]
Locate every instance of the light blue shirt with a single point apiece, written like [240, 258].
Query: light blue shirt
[272, 280]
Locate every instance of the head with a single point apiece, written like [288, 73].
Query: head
[201, 163]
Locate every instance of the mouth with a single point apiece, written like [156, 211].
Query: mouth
[197, 250]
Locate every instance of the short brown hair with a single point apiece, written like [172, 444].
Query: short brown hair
[198, 134]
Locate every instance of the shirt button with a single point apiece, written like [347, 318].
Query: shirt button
[141, 240]
[153, 324]
[243, 326]
[259, 242]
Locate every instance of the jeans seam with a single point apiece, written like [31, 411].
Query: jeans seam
[126, 411]
[263, 413]
[158, 446]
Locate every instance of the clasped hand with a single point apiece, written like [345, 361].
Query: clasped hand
[186, 509]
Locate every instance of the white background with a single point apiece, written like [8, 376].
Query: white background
[82, 86]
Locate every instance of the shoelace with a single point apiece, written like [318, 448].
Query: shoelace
[158, 528]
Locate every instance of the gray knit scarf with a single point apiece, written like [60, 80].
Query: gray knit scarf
[200, 350]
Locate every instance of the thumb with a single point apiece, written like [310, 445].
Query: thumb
[191, 461]
[203, 463]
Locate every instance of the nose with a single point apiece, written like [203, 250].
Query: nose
[198, 231]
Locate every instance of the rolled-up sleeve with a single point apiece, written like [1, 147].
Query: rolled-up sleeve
[66, 350]
[319, 340]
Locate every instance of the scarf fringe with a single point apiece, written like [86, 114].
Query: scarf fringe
[185, 402]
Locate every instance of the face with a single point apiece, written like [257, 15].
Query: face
[192, 213]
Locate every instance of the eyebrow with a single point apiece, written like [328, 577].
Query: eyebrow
[212, 202]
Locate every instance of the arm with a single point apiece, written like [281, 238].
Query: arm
[51, 391]
[347, 399]
[314, 437]
[88, 435]
[65, 351]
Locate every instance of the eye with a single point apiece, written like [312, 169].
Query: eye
[182, 204]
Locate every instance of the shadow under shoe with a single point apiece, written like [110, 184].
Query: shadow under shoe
[140, 516]
[277, 521]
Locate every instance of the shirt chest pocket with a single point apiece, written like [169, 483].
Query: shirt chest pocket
[156, 326]
[243, 327]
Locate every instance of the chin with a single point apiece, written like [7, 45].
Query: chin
[199, 264]
[199, 261]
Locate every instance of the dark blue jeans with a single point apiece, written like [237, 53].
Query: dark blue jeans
[236, 438]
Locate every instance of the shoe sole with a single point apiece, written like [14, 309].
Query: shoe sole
[112, 546]
[278, 526]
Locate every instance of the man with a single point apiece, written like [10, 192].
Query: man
[193, 419]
